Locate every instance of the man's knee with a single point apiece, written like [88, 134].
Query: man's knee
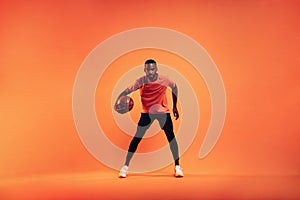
[134, 143]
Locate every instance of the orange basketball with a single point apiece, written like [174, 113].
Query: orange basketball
[124, 104]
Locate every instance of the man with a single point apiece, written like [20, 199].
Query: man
[154, 107]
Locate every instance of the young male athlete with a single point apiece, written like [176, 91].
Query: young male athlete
[152, 88]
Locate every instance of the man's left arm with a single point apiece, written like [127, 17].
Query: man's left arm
[174, 97]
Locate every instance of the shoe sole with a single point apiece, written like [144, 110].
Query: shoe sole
[122, 176]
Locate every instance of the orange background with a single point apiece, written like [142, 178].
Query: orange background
[255, 45]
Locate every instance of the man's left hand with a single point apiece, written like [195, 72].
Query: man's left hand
[175, 112]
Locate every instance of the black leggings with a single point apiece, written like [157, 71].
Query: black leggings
[144, 123]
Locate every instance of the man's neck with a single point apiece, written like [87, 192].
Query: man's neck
[155, 77]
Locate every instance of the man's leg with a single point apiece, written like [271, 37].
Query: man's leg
[166, 124]
[143, 124]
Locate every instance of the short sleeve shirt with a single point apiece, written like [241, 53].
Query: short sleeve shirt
[153, 94]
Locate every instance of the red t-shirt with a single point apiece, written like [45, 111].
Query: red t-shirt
[153, 94]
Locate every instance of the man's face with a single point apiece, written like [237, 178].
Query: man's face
[151, 70]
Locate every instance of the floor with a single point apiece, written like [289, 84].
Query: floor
[159, 185]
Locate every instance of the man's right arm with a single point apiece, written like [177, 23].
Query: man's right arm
[124, 93]
[136, 85]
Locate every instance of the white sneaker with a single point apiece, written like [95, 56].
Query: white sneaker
[123, 172]
[178, 171]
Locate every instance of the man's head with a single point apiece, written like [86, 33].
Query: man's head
[151, 69]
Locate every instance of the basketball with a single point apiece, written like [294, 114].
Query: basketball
[124, 104]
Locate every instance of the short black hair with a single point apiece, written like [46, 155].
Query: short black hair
[150, 61]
